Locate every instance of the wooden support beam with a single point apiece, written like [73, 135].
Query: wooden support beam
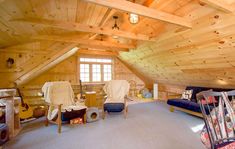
[109, 13]
[102, 48]
[6, 50]
[52, 59]
[87, 42]
[85, 28]
[143, 11]
[97, 52]
[219, 4]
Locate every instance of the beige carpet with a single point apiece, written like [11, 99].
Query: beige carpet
[148, 126]
[136, 100]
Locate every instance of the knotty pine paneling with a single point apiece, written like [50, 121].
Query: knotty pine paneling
[67, 71]
[201, 56]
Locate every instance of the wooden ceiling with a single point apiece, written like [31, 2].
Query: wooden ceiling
[182, 42]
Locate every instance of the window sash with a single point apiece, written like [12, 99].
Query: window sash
[96, 73]
[101, 74]
[85, 72]
[95, 60]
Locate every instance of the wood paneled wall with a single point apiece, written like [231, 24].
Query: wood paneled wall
[200, 56]
[66, 70]
[7, 75]
[121, 72]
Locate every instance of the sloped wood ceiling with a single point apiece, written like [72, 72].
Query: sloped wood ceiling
[202, 56]
[198, 51]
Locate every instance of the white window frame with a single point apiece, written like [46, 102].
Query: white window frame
[101, 67]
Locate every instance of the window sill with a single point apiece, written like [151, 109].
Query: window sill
[93, 83]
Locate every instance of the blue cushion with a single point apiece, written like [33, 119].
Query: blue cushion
[68, 115]
[186, 104]
[113, 107]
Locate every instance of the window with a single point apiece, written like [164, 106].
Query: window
[84, 72]
[107, 72]
[96, 73]
[95, 69]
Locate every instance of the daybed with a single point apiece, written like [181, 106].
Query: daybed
[190, 106]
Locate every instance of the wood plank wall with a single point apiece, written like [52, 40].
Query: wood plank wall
[121, 72]
[66, 70]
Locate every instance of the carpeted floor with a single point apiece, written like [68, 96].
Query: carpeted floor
[148, 126]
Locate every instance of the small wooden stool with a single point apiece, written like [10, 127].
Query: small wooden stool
[90, 99]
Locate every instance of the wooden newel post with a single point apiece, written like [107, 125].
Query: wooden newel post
[12, 110]
[10, 115]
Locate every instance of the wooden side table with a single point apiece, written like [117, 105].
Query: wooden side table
[90, 99]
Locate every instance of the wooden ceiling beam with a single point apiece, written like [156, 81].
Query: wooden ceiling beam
[143, 11]
[50, 60]
[9, 50]
[96, 52]
[85, 28]
[147, 3]
[218, 4]
[110, 12]
[102, 48]
[87, 42]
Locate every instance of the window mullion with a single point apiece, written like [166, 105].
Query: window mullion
[102, 72]
[91, 73]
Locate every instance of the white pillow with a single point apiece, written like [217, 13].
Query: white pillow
[187, 94]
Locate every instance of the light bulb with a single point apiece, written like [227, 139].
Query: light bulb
[133, 18]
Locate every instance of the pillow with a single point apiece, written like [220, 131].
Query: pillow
[187, 94]
[210, 99]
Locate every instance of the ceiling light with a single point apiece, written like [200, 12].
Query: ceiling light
[115, 26]
[101, 37]
[10, 62]
[115, 36]
[133, 18]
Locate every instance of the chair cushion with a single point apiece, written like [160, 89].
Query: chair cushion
[114, 107]
[68, 115]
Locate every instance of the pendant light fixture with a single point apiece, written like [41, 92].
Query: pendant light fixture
[115, 26]
[101, 37]
[10, 62]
